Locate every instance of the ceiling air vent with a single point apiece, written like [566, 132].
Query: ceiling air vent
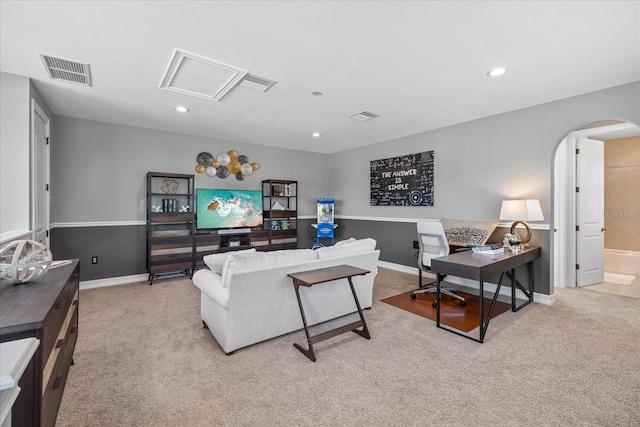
[67, 71]
[259, 83]
[365, 116]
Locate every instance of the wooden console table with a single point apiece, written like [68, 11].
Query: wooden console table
[479, 267]
[324, 275]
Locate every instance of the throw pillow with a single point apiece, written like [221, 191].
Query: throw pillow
[357, 247]
[215, 262]
[345, 242]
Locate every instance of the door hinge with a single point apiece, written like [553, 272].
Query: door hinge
[48, 140]
[47, 233]
[577, 151]
[577, 189]
[577, 228]
[577, 266]
[46, 187]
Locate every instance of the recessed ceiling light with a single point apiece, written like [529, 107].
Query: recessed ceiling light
[182, 109]
[498, 71]
[316, 93]
[316, 134]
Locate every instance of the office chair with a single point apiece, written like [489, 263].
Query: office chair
[432, 243]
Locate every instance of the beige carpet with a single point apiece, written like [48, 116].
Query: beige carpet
[143, 359]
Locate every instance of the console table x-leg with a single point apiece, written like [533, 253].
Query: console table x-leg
[324, 275]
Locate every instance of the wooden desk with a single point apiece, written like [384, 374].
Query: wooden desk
[324, 275]
[478, 267]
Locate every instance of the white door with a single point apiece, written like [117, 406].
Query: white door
[40, 175]
[590, 211]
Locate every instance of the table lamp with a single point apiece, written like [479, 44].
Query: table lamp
[521, 211]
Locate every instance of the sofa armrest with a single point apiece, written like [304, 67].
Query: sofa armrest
[210, 284]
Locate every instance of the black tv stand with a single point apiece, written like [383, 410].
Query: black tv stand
[234, 242]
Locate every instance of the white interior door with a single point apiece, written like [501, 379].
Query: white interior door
[40, 175]
[590, 211]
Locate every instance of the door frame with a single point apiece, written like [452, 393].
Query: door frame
[37, 110]
[563, 211]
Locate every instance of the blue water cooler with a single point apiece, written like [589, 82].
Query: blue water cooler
[325, 225]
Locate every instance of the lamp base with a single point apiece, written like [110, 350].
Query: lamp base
[526, 226]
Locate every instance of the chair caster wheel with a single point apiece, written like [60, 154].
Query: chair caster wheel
[413, 296]
[463, 303]
[434, 304]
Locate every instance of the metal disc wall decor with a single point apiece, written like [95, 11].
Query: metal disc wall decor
[403, 181]
[205, 159]
[224, 164]
[222, 172]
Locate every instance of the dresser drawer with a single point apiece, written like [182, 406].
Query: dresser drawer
[53, 386]
[56, 316]
[69, 326]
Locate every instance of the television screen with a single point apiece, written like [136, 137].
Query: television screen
[217, 208]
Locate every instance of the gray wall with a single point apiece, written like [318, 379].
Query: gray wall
[14, 153]
[99, 189]
[15, 149]
[472, 175]
[99, 169]
[397, 240]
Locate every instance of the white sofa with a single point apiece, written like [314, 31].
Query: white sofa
[247, 297]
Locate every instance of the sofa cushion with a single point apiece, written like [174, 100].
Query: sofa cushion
[345, 242]
[252, 261]
[215, 262]
[348, 248]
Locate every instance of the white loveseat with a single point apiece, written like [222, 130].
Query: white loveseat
[247, 297]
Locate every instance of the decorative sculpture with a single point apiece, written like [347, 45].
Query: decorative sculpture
[23, 260]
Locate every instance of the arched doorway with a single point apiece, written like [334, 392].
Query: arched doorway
[564, 210]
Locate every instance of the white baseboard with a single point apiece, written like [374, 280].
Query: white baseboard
[491, 287]
[113, 281]
[401, 268]
[506, 291]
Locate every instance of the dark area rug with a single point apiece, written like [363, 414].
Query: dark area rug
[464, 318]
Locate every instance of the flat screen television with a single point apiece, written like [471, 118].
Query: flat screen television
[217, 208]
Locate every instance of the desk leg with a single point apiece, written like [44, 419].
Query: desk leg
[310, 353]
[482, 330]
[365, 331]
[438, 280]
[517, 285]
[513, 289]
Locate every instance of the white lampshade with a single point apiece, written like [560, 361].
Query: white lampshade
[522, 209]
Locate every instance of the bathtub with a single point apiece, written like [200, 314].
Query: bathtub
[622, 262]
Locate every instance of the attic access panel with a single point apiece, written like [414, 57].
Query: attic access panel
[195, 75]
[403, 181]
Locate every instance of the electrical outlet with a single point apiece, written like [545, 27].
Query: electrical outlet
[94, 260]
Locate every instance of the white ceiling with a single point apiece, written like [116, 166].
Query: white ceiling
[419, 65]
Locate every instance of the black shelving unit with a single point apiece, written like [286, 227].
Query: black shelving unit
[280, 213]
[170, 224]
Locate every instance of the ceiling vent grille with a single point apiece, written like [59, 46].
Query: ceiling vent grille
[259, 83]
[67, 71]
[365, 116]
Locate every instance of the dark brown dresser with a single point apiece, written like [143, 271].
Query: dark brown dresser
[47, 309]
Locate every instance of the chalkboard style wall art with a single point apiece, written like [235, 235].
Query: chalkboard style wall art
[403, 181]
